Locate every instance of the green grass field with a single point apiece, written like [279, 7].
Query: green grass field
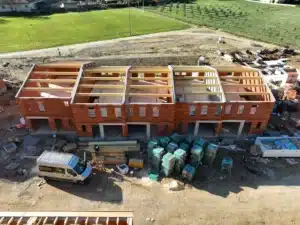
[20, 33]
[269, 23]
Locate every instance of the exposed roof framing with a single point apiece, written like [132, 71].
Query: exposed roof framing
[56, 73]
[197, 84]
[107, 84]
[53, 80]
[150, 85]
[140, 84]
[66, 218]
[241, 82]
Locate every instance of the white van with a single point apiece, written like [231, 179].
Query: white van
[63, 166]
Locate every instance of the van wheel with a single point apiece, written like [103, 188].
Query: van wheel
[80, 182]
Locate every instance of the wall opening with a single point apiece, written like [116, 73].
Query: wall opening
[58, 124]
[258, 125]
[112, 131]
[137, 130]
[207, 129]
[246, 128]
[230, 129]
[83, 128]
[96, 130]
[40, 124]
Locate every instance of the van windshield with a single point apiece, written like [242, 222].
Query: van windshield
[79, 168]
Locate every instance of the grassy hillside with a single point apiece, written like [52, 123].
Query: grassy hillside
[270, 23]
[20, 33]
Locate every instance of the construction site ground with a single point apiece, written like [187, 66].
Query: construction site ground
[247, 198]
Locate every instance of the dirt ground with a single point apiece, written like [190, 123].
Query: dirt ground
[178, 47]
[243, 199]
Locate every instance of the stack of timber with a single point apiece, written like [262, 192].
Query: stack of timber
[113, 152]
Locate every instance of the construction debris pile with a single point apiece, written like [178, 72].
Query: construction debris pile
[179, 155]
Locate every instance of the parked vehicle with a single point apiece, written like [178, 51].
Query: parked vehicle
[63, 166]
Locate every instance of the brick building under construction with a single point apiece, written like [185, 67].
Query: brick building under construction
[142, 102]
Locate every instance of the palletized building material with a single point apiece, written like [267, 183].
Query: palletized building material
[157, 155]
[188, 172]
[184, 146]
[164, 141]
[197, 153]
[180, 157]
[171, 147]
[151, 145]
[176, 138]
[168, 163]
[210, 154]
[201, 142]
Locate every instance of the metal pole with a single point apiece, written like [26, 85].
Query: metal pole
[129, 15]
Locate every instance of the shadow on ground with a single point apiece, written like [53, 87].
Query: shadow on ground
[263, 172]
[101, 187]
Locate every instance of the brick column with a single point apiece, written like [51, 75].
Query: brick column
[125, 130]
[170, 128]
[161, 129]
[28, 123]
[184, 127]
[52, 124]
[218, 128]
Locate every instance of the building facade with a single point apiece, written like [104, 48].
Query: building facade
[144, 102]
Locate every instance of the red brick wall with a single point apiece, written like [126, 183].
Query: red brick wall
[53, 107]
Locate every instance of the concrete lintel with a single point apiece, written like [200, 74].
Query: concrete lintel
[138, 123]
[36, 117]
[112, 124]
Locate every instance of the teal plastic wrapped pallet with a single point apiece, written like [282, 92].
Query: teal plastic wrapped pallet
[171, 147]
[176, 138]
[197, 154]
[164, 141]
[184, 146]
[201, 142]
[168, 163]
[188, 172]
[157, 155]
[210, 154]
[180, 158]
[151, 145]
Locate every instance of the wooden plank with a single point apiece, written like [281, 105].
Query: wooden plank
[99, 94]
[150, 86]
[55, 73]
[244, 85]
[239, 78]
[54, 81]
[103, 78]
[150, 94]
[154, 69]
[25, 81]
[248, 93]
[194, 78]
[201, 69]
[68, 65]
[195, 85]
[200, 93]
[101, 86]
[149, 78]
[107, 69]
[20, 221]
[47, 89]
